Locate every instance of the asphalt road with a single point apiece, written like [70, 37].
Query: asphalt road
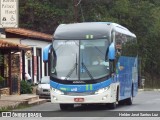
[146, 103]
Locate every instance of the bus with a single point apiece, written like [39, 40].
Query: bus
[92, 63]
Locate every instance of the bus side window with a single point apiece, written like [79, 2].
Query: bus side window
[112, 66]
[53, 61]
[118, 42]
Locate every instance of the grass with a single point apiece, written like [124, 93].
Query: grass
[10, 108]
[22, 107]
[5, 109]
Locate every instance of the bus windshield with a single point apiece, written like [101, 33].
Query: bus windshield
[80, 59]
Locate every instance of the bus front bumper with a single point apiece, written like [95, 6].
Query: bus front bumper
[97, 98]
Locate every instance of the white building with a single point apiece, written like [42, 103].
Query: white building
[32, 60]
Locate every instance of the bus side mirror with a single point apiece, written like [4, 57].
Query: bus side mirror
[111, 53]
[46, 53]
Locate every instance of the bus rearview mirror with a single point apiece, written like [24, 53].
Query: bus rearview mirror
[46, 53]
[111, 53]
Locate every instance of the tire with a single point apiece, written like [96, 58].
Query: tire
[112, 105]
[129, 101]
[122, 102]
[66, 106]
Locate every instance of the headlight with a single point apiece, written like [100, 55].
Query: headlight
[57, 91]
[102, 90]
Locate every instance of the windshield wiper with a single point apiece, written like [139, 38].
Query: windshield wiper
[84, 66]
[72, 70]
[97, 49]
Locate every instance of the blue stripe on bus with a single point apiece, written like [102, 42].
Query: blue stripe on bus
[80, 88]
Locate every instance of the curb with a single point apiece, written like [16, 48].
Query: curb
[147, 89]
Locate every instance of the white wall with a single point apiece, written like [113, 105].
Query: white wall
[35, 44]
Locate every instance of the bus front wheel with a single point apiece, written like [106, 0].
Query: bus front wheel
[112, 105]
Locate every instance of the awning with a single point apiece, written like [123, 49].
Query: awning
[30, 33]
[5, 45]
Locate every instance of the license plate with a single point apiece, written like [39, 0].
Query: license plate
[78, 99]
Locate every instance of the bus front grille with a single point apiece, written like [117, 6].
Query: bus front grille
[79, 93]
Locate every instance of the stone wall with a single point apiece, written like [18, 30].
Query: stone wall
[4, 91]
[15, 73]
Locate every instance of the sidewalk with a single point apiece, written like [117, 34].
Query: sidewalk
[13, 101]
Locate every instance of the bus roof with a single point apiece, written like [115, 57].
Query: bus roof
[121, 29]
[96, 29]
[118, 28]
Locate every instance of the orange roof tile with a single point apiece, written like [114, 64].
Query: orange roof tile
[10, 45]
[29, 33]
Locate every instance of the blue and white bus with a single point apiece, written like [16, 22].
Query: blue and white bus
[92, 63]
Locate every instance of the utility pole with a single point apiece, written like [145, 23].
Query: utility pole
[75, 2]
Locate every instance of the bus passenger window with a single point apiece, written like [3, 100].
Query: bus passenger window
[112, 66]
[53, 61]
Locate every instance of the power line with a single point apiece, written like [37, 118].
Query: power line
[75, 10]
[78, 3]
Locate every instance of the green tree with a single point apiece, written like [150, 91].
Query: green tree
[140, 16]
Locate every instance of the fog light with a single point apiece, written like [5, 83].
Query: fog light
[104, 98]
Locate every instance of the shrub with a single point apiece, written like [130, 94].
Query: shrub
[25, 87]
[1, 78]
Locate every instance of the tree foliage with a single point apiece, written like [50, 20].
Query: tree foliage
[140, 16]
[25, 87]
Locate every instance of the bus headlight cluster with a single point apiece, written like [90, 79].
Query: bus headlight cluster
[102, 90]
[57, 91]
